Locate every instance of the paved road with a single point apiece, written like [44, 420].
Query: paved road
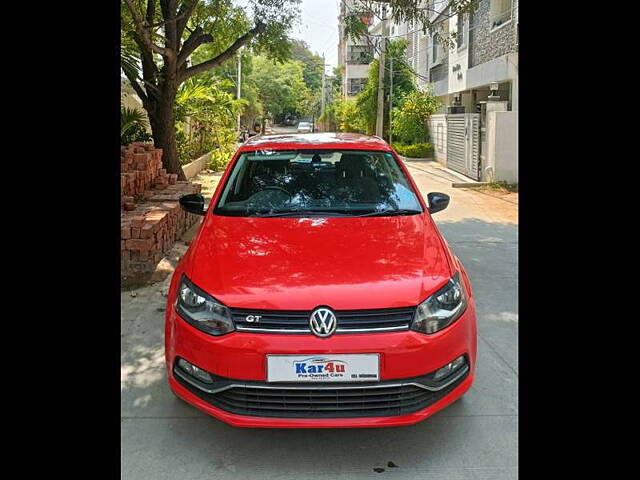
[475, 438]
[284, 129]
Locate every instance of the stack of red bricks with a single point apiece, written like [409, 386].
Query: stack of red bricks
[140, 171]
[151, 217]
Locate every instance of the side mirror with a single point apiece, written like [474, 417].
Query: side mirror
[193, 203]
[437, 201]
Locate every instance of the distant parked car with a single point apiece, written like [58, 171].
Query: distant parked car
[304, 127]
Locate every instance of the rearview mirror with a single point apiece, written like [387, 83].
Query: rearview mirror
[193, 203]
[437, 201]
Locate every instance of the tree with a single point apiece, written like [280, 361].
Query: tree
[312, 64]
[249, 92]
[281, 87]
[313, 68]
[330, 120]
[229, 71]
[163, 35]
[403, 83]
[336, 81]
[428, 15]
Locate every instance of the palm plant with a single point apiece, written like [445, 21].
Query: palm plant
[205, 114]
[133, 125]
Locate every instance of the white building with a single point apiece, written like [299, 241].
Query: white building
[484, 53]
[355, 57]
[485, 50]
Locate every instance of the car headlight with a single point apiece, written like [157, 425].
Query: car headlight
[442, 308]
[201, 310]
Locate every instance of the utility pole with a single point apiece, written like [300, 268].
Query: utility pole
[381, 62]
[390, 96]
[239, 81]
[322, 94]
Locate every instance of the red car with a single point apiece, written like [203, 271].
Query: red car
[318, 292]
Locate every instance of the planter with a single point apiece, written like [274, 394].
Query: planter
[421, 159]
[192, 169]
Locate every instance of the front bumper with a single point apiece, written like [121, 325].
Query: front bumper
[403, 356]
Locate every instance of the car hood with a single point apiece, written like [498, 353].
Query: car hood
[301, 263]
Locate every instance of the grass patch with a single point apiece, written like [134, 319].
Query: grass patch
[502, 187]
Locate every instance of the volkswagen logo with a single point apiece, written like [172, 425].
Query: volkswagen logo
[322, 322]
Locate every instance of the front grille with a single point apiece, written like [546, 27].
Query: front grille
[349, 321]
[322, 401]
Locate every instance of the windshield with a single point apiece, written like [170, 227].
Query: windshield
[304, 124]
[322, 182]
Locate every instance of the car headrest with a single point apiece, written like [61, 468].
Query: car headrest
[355, 165]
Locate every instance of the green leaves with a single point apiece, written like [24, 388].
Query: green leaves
[133, 125]
[281, 87]
[129, 61]
[348, 116]
[129, 117]
[225, 21]
[410, 117]
[205, 114]
[360, 14]
[312, 64]
[403, 83]
[417, 150]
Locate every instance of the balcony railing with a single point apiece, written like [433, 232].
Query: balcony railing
[501, 18]
[360, 59]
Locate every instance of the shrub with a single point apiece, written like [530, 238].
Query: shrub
[410, 118]
[219, 160]
[221, 156]
[417, 150]
[348, 116]
[205, 121]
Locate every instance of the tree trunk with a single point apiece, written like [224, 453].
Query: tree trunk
[164, 132]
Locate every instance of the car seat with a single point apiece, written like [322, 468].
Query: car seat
[356, 175]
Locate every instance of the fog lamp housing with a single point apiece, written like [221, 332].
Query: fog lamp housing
[450, 367]
[194, 371]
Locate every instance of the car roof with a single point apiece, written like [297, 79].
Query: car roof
[344, 141]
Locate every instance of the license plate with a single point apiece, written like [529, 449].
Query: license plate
[323, 368]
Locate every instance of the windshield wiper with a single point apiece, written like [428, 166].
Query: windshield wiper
[302, 213]
[390, 212]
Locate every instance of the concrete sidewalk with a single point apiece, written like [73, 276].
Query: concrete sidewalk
[475, 438]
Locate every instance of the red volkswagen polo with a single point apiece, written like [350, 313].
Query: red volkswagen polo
[318, 292]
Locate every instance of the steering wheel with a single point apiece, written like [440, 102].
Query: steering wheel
[274, 187]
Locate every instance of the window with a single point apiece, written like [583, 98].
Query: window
[360, 54]
[356, 85]
[323, 181]
[434, 7]
[435, 43]
[500, 12]
[460, 35]
[439, 137]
